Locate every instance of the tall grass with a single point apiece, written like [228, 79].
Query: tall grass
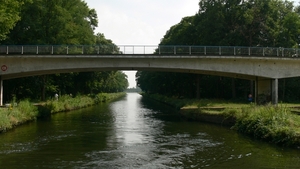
[16, 115]
[26, 111]
[67, 103]
[276, 124]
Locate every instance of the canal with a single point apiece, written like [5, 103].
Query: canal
[134, 132]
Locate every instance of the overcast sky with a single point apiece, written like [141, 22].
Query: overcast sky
[140, 22]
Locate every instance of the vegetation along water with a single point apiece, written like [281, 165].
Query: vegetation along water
[16, 114]
[275, 124]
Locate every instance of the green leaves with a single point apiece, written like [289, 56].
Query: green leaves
[54, 22]
[9, 15]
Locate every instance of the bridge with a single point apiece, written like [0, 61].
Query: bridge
[264, 65]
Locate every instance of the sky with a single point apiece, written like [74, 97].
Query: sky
[139, 22]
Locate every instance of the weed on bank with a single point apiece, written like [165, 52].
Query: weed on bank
[274, 124]
[14, 115]
[23, 112]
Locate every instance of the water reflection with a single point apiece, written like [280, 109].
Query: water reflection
[135, 133]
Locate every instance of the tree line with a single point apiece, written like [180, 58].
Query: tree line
[55, 22]
[253, 23]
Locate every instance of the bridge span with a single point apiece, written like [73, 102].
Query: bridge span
[264, 65]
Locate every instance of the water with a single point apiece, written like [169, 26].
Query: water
[135, 133]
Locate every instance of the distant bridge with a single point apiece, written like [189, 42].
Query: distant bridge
[264, 65]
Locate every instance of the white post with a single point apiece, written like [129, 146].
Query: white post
[249, 51]
[159, 50]
[22, 50]
[37, 49]
[234, 52]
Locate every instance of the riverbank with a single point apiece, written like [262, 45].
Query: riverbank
[274, 124]
[24, 112]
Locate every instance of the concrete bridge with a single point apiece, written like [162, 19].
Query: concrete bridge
[264, 65]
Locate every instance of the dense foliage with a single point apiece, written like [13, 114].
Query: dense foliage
[42, 22]
[9, 15]
[273, 23]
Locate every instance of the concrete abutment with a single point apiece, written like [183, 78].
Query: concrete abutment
[266, 91]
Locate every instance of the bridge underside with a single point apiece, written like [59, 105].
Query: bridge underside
[266, 89]
[264, 71]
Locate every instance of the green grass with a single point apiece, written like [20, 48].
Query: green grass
[26, 111]
[276, 124]
[68, 103]
[16, 115]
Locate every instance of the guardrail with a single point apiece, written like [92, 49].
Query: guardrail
[147, 49]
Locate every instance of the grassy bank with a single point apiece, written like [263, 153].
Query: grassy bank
[25, 111]
[275, 124]
[16, 115]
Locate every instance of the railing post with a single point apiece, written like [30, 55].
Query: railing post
[37, 49]
[52, 50]
[82, 49]
[7, 50]
[98, 51]
[67, 50]
[234, 52]
[263, 51]
[249, 51]
[159, 50]
[277, 52]
[174, 50]
[204, 50]
[190, 50]
[282, 52]
[22, 51]
[220, 52]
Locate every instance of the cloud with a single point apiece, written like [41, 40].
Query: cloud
[140, 21]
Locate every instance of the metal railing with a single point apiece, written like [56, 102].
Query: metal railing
[147, 49]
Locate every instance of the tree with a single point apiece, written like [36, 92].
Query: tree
[62, 22]
[55, 22]
[9, 15]
[227, 23]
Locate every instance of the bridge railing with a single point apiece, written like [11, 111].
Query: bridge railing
[147, 49]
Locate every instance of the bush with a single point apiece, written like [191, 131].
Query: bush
[276, 124]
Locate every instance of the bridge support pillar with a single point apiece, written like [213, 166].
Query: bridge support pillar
[275, 91]
[1, 91]
[266, 91]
